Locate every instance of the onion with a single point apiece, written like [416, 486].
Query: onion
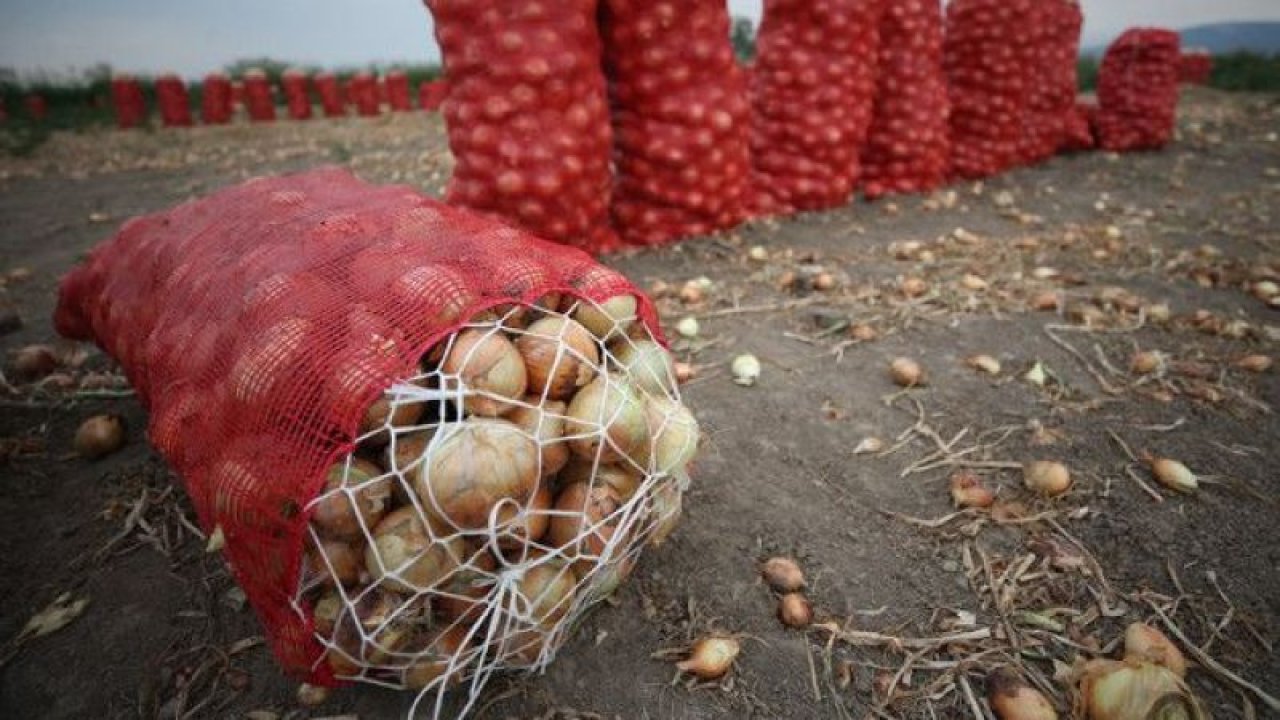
[408, 452]
[99, 436]
[783, 574]
[1174, 475]
[967, 491]
[648, 364]
[267, 358]
[614, 315]
[914, 287]
[546, 425]
[486, 361]
[674, 433]
[746, 370]
[413, 561]
[687, 327]
[824, 281]
[1254, 363]
[1143, 642]
[668, 505]
[863, 332]
[1132, 689]
[794, 610]
[906, 372]
[474, 465]
[711, 657]
[1047, 301]
[560, 357]
[608, 409]
[35, 361]
[580, 508]
[327, 612]
[433, 661]
[548, 588]
[685, 372]
[471, 585]
[309, 695]
[380, 414]
[1046, 477]
[338, 513]
[1146, 362]
[528, 524]
[985, 363]
[623, 481]
[692, 293]
[345, 558]
[1012, 698]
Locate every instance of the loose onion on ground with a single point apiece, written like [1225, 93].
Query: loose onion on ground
[782, 574]
[1143, 642]
[1046, 477]
[99, 436]
[1013, 698]
[711, 657]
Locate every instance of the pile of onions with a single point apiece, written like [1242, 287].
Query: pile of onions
[495, 496]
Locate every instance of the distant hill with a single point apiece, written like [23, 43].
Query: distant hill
[1261, 37]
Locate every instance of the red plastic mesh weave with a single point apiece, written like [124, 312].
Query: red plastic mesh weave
[1138, 90]
[215, 100]
[989, 56]
[1079, 131]
[1195, 67]
[37, 106]
[296, 99]
[362, 92]
[127, 101]
[681, 119]
[399, 97]
[174, 103]
[431, 95]
[1055, 84]
[257, 97]
[908, 147]
[527, 115]
[813, 89]
[233, 314]
[330, 92]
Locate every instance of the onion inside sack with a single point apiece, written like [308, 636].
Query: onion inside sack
[648, 364]
[603, 320]
[353, 500]
[560, 357]
[610, 404]
[545, 423]
[406, 557]
[472, 466]
[487, 363]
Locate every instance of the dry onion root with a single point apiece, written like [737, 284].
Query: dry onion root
[491, 499]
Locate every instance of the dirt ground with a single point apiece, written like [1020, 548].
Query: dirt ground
[1111, 239]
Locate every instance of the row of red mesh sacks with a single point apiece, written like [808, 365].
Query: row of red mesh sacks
[1195, 67]
[255, 93]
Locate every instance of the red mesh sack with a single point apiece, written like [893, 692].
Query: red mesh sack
[258, 100]
[215, 100]
[1195, 67]
[258, 325]
[1138, 90]
[37, 106]
[399, 98]
[681, 119]
[431, 95]
[362, 92]
[1055, 84]
[908, 147]
[527, 115]
[296, 99]
[1078, 134]
[174, 103]
[812, 94]
[127, 101]
[330, 92]
[989, 54]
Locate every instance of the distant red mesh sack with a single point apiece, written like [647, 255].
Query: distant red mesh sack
[331, 101]
[399, 98]
[1078, 134]
[1055, 82]
[431, 94]
[908, 147]
[296, 99]
[1138, 90]
[232, 316]
[681, 119]
[527, 115]
[175, 104]
[989, 55]
[362, 92]
[258, 100]
[215, 100]
[127, 101]
[812, 92]
[37, 106]
[1195, 67]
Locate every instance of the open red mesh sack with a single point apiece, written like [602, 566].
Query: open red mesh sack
[296, 98]
[331, 101]
[1055, 83]
[362, 92]
[127, 101]
[681, 119]
[215, 100]
[527, 115]
[258, 100]
[233, 315]
[1138, 90]
[431, 94]
[399, 97]
[1195, 67]
[908, 147]
[989, 55]
[812, 93]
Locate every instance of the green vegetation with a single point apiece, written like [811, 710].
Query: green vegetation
[1237, 71]
[743, 35]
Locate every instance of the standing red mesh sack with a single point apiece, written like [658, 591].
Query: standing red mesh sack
[989, 54]
[258, 325]
[215, 100]
[127, 101]
[1195, 67]
[431, 94]
[257, 97]
[527, 115]
[1138, 90]
[362, 92]
[298, 102]
[681, 119]
[174, 103]
[399, 98]
[330, 92]
[908, 147]
[1051, 112]
[812, 93]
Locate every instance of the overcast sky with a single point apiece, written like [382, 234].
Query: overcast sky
[193, 37]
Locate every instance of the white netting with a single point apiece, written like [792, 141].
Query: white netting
[490, 503]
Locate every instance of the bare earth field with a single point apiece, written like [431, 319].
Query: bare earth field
[892, 570]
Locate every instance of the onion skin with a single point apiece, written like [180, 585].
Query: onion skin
[549, 433]
[487, 361]
[99, 436]
[1143, 642]
[405, 548]
[1046, 477]
[613, 406]
[474, 465]
[1013, 699]
[795, 611]
[782, 574]
[648, 364]
[615, 315]
[711, 657]
[338, 515]
[558, 377]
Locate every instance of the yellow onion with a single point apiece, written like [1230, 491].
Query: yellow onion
[614, 315]
[648, 364]
[435, 652]
[409, 450]
[309, 695]
[674, 433]
[355, 623]
[546, 425]
[35, 361]
[1146, 362]
[608, 409]
[99, 436]
[1174, 475]
[412, 559]
[327, 612]
[1135, 690]
[1143, 642]
[622, 480]
[906, 372]
[1255, 363]
[968, 491]
[381, 414]
[523, 647]
[1046, 477]
[547, 587]
[486, 361]
[473, 466]
[580, 508]
[560, 356]
[466, 590]
[525, 524]
[346, 560]
[1012, 698]
[794, 610]
[711, 657]
[267, 358]
[338, 513]
[668, 505]
[783, 574]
